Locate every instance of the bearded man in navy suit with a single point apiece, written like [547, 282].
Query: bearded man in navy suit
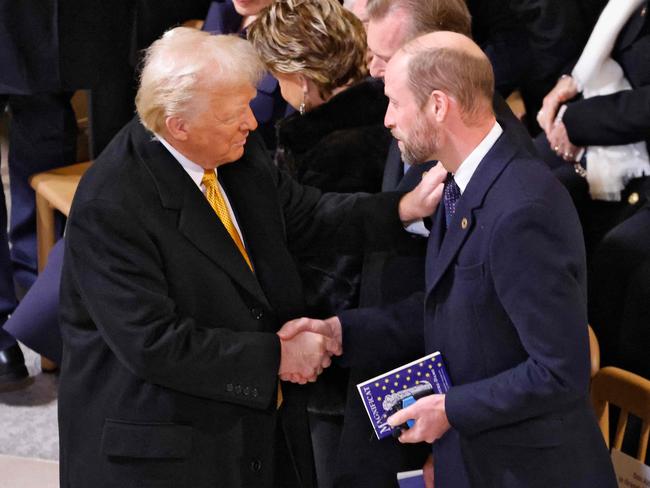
[505, 298]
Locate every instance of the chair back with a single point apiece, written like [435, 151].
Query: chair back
[629, 392]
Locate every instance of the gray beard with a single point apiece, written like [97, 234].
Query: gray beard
[422, 143]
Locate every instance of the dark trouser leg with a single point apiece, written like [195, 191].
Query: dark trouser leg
[325, 436]
[615, 264]
[35, 321]
[42, 136]
[7, 293]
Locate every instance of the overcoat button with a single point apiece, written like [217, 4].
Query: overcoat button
[229, 387]
[254, 393]
[238, 389]
[247, 390]
[464, 223]
[633, 199]
[256, 465]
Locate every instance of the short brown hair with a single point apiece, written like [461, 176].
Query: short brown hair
[426, 15]
[317, 38]
[467, 78]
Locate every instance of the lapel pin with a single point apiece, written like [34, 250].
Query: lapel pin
[463, 223]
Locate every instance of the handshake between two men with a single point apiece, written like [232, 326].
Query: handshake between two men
[307, 345]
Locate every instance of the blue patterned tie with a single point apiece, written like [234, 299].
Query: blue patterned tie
[451, 195]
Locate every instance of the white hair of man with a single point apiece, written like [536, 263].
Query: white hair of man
[184, 65]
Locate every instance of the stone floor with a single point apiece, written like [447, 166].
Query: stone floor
[28, 417]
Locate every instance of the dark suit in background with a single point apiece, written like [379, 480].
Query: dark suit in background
[100, 44]
[42, 135]
[170, 360]
[517, 353]
[97, 46]
[616, 248]
[531, 43]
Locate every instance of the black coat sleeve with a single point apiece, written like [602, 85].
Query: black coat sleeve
[619, 118]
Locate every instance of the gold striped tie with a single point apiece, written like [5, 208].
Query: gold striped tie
[218, 204]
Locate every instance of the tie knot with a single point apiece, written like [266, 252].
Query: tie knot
[209, 178]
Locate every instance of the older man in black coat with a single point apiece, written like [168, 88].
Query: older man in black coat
[169, 312]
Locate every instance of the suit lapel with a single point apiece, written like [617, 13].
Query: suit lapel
[434, 242]
[393, 169]
[463, 221]
[196, 221]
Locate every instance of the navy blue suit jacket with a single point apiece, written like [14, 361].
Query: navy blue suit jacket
[505, 303]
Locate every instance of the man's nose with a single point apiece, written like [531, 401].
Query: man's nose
[250, 122]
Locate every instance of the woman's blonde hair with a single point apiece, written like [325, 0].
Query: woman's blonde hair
[316, 38]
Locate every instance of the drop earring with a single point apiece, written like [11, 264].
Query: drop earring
[302, 106]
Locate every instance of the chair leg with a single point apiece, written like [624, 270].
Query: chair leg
[48, 366]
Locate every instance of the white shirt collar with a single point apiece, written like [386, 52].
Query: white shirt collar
[191, 168]
[196, 173]
[468, 166]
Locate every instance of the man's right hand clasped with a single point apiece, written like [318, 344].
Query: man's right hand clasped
[307, 346]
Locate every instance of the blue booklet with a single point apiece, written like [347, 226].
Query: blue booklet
[410, 479]
[402, 385]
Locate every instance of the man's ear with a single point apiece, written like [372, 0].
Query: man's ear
[438, 105]
[177, 127]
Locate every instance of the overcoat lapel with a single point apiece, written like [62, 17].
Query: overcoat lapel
[393, 168]
[196, 219]
[264, 226]
[463, 221]
[413, 176]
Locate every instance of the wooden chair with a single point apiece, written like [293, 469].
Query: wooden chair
[516, 104]
[594, 352]
[629, 392]
[54, 191]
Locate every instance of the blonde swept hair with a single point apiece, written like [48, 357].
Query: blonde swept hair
[426, 15]
[184, 65]
[316, 38]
